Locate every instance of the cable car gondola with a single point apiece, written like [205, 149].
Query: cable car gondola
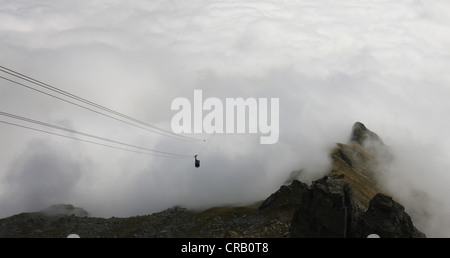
[197, 162]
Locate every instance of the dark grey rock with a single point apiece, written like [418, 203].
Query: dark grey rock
[286, 196]
[388, 219]
[327, 210]
[361, 134]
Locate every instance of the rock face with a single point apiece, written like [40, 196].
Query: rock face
[388, 219]
[327, 210]
[285, 197]
[356, 162]
[360, 134]
[349, 202]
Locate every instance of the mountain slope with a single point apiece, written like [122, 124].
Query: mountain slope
[347, 202]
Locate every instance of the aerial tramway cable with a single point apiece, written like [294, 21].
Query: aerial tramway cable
[107, 112]
[135, 121]
[87, 141]
[128, 145]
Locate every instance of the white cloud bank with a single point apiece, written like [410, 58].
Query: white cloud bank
[331, 63]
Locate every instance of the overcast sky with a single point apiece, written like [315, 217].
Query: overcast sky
[330, 63]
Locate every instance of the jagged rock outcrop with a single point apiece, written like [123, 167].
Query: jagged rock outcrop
[356, 162]
[388, 219]
[348, 202]
[286, 197]
[360, 134]
[327, 210]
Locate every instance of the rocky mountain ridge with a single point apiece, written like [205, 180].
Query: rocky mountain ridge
[346, 203]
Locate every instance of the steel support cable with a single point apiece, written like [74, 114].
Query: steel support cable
[89, 135]
[92, 110]
[83, 100]
[87, 141]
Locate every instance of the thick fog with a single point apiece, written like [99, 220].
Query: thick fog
[330, 64]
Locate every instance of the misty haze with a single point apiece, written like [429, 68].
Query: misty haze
[330, 64]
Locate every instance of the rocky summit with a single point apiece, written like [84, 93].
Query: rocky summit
[346, 203]
[349, 201]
